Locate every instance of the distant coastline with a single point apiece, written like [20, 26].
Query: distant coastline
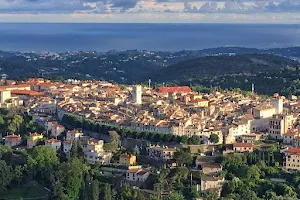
[102, 37]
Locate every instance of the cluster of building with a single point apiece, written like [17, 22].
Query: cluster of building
[237, 120]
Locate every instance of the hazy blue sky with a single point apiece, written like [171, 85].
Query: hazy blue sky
[194, 11]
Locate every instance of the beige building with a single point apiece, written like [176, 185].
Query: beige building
[161, 153]
[33, 139]
[292, 159]
[243, 147]
[279, 125]
[262, 112]
[211, 183]
[211, 169]
[13, 140]
[92, 145]
[127, 159]
[53, 143]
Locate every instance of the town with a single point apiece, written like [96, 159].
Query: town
[136, 132]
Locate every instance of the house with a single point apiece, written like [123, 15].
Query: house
[92, 145]
[290, 136]
[211, 168]
[202, 160]
[247, 138]
[279, 125]
[161, 153]
[57, 129]
[53, 143]
[242, 147]
[292, 159]
[67, 146]
[33, 139]
[127, 159]
[136, 174]
[12, 140]
[211, 183]
[74, 134]
[179, 89]
[92, 157]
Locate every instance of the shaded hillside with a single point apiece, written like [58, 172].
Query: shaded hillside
[269, 73]
[220, 65]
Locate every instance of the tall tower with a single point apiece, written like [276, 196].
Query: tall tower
[149, 83]
[252, 88]
[278, 104]
[137, 94]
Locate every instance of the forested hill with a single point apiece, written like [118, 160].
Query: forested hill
[220, 65]
[270, 73]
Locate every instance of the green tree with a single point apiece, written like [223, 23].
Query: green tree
[6, 176]
[183, 156]
[175, 196]
[71, 178]
[15, 123]
[214, 138]
[114, 141]
[184, 139]
[195, 139]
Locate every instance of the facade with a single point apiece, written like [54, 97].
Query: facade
[211, 183]
[161, 153]
[292, 159]
[127, 159]
[279, 125]
[92, 145]
[74, 135]
[33, 139]
[264, 112]
[243, 147]
[67, 145]
[136, 174]
[92, 157]
[137, 94]
[277, 103]
[12, 140]
[5, 95]
[53, 143]
[211, 169]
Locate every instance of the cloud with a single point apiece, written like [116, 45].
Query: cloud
[284, 6]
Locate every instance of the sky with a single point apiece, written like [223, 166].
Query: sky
[151, 11]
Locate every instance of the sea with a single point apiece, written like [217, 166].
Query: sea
[61, 37]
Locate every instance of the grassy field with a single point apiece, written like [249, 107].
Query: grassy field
[28, 191]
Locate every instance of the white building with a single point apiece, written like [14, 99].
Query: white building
[74, 134]
[97, 157]
[137, 94]
[136, 174]
[67, 146]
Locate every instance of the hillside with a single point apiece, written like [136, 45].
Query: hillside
[269, 73]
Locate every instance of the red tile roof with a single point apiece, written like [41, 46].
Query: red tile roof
[11, 87]
[180, 89]
[242, 145]
[293, 151]
[27, 92]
